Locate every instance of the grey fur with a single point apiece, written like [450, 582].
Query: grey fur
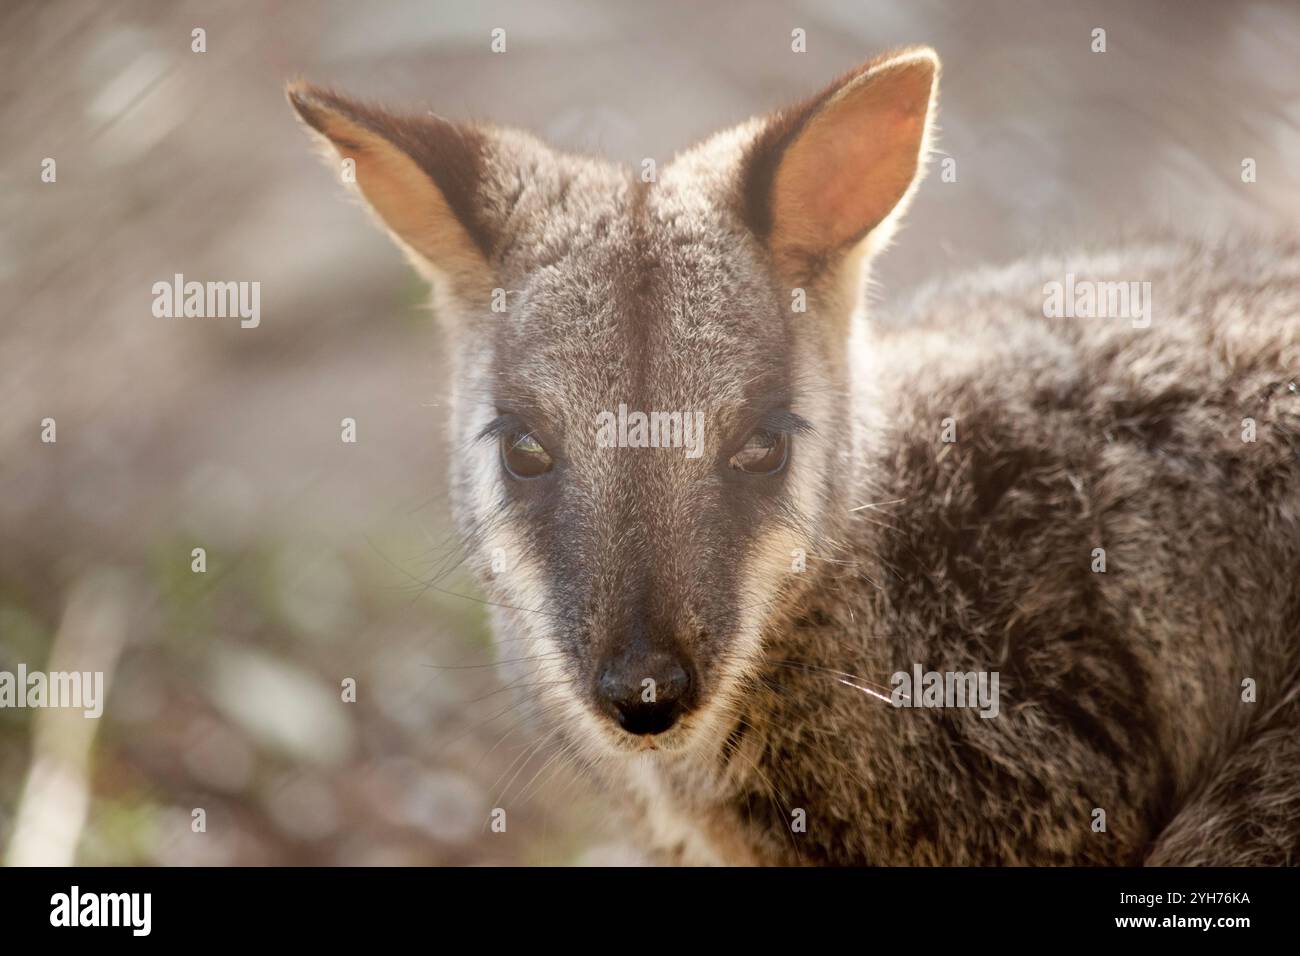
[1121, 691]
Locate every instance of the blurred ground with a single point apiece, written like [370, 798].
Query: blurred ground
[174, 434]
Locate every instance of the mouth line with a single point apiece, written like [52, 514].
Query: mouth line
[674, 740]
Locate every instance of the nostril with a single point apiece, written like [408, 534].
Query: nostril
[646, 700]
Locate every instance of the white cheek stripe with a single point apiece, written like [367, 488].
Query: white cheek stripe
[769, 572]
[524, 613]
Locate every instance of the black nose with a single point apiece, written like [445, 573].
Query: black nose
[645, 693]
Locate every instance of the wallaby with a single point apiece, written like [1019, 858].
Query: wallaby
[765, 644]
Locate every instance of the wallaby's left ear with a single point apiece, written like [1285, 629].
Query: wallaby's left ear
[842, 167]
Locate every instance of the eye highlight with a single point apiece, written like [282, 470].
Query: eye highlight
[522, 455]
[765, 452]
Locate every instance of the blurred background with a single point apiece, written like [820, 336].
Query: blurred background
[174, 434]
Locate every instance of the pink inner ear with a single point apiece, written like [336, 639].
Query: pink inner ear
[852, 164]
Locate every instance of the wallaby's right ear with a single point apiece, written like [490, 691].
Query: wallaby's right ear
[422, 176]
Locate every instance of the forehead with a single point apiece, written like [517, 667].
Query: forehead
[648, 296]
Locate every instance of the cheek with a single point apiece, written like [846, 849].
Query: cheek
[497, 549]
[780, 559]
[789, 551]
[493, 549]
[805, 488]
[476, 486]
[814, 453]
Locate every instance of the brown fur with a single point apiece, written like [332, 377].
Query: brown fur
[1120, 691]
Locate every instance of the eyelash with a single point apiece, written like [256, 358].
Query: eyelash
[498, 427]
[783, 420]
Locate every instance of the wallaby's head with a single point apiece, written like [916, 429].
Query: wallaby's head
[652, 399]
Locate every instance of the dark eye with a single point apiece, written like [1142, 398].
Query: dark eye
[523, 455]
[765, 452]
